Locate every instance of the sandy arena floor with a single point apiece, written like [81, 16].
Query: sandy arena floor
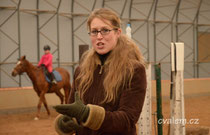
[23, 123]
[197, 109]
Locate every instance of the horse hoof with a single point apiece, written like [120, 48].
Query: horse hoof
[36, 118]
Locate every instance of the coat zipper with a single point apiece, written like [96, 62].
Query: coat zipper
[101, 69]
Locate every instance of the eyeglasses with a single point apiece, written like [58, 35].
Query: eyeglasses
[103, 32]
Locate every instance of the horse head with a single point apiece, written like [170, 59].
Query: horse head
[20, 66]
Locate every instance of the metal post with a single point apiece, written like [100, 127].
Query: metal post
[121, 14]
[148, 46]
[58, 34]
[172, 18]
[195, 50]
[154, 25]
[176, 23]
[38, 36]
[72, 31]
[195, 47]
[103, 4]
[94, 4]
[159, 98]
[19, 36]
[131, 3]
[195, 27]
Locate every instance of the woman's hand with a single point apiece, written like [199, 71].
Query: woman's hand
[66, 124]
[76, 109]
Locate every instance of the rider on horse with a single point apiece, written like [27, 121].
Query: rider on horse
[46, 61]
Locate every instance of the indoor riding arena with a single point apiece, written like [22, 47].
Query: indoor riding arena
[173, 36]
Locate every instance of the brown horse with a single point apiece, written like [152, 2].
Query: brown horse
[40, 85]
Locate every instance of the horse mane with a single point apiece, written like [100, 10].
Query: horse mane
[32, 66]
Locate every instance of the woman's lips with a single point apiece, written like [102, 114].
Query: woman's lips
[100, 45]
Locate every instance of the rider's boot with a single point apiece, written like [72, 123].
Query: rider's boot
[53, 80]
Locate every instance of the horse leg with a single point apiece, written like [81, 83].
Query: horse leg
[38, 109]
[41, 98]
[60, 95]
[46, 106]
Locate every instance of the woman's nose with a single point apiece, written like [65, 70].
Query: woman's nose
[99, 35]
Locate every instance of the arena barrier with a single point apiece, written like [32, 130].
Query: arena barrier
[23, 97]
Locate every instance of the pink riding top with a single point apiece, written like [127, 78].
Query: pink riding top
[47, 61]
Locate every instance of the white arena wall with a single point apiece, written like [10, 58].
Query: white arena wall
[27, 25]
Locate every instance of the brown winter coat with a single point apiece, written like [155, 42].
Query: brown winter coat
[120, 117]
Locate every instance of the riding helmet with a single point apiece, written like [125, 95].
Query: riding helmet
[46, 47]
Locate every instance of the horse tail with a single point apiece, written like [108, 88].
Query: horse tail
[67, 87]
[66, 84]
[69, 78]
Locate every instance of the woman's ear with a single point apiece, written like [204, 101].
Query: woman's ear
[119, 31]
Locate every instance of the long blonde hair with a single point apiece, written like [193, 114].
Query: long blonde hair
[119, 66]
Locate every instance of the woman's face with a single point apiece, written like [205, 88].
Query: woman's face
[105, 37]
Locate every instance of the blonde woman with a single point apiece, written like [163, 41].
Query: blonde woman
[109, 84]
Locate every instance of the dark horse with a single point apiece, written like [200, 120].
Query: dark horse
[40, 85]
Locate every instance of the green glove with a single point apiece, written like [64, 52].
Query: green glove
[67, 125]
[76, 109]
